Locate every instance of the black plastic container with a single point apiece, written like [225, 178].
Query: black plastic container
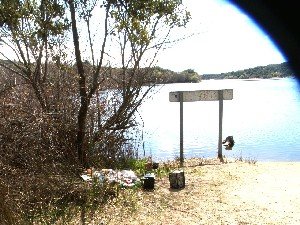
[148, 181]
[155, 165]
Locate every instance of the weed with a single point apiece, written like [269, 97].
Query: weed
[247, 160]
[137, 165]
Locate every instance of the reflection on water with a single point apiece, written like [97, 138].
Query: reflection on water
[263, 118]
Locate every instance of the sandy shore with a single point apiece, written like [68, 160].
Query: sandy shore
[215, 193]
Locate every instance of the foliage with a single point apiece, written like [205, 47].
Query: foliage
[137, 165]
[165, 76]
[32, 32]
[265, 72]
[140, 19]
[61, 110]
[132, 25]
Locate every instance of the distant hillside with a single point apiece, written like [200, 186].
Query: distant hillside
[265, 72]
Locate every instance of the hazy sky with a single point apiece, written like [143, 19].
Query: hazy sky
[226, 39]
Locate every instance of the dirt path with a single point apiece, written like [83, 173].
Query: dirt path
[273, 189]
[231, 193]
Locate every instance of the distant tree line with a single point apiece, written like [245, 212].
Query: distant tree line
[164, 76]
[264, 72]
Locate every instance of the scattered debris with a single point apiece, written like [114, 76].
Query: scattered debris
[86, 177]
[151, 165]
[125, 178]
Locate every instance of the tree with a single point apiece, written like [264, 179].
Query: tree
[35, 33]
[30, 30]
[190, 76]
[135, 26]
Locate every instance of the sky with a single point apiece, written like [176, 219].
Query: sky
[221, 38]
[224, 39]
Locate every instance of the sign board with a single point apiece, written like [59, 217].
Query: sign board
[201, 95]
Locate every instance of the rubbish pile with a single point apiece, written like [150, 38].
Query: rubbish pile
[125, 178]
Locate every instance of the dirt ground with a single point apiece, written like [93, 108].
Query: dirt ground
[215, 193]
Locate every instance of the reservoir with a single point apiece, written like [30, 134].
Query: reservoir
[263, 118]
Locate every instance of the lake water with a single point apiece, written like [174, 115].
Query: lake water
[263, 118]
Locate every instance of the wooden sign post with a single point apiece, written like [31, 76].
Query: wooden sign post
[201, 95]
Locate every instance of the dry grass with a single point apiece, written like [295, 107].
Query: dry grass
[230, 193]
[7, 217]
[233, 192]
